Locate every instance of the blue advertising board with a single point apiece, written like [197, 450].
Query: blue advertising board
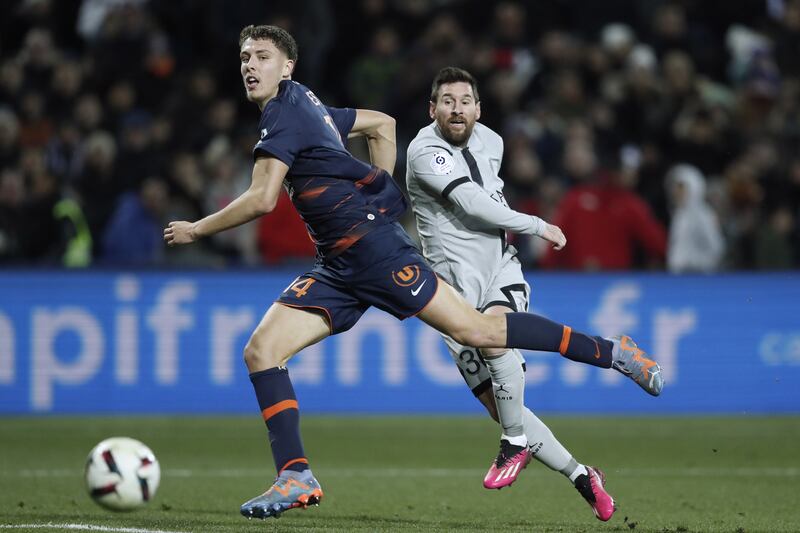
[149, 342]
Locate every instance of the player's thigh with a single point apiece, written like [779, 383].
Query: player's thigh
[452, 315]
[507, 293]
[282, 332]
[508, 288]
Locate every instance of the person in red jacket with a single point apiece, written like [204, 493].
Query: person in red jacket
[605, 221]
[283, 239]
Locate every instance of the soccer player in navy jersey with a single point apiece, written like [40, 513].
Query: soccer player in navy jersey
[364, 257]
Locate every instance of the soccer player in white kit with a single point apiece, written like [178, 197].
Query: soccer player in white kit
[462, 218]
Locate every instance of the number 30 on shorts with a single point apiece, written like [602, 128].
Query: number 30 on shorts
[300, 286]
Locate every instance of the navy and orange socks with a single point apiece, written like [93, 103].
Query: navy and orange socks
[279, 409]
[534, 332]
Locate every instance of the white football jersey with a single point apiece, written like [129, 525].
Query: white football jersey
[465, 250]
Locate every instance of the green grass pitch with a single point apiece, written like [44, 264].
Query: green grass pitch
[668, 474]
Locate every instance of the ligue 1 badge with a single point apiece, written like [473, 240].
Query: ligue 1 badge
[442, 163]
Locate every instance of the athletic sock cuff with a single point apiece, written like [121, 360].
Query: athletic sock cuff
[268, 372]
[570, 468]
[515, 324]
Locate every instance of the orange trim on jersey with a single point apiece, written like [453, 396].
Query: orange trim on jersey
[292, 462]
[369, 178]
[565, 340]
[274, 409]
[310, 194]
[343, 200]
[353, 236]
[344, 243]
[328, 318]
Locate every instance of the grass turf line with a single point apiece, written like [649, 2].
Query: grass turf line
[668, 474]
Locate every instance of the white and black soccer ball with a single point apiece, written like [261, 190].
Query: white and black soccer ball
[122, 474]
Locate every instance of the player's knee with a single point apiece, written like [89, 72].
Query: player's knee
[466, 336]
[251, 354]
[482, 332]
[491, 353]
[257, 357]
[470, 337]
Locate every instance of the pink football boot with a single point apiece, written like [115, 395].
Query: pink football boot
[592, 489]
[508, 465]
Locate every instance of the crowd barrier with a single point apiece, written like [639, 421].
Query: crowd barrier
[171, 342]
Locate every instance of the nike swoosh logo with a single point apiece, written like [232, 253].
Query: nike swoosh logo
[416, 291]
[596, 350]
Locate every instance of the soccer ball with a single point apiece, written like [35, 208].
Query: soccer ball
[122, 474]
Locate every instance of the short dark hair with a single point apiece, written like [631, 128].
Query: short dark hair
[281, 38]
[453, 75]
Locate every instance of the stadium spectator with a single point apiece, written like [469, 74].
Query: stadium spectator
[607, 223]
[662, 82]
[41, 240]
[96, 184]
[12, 79]
[786, 36]
[133, 233]
[774, 241]
[695, 240]
[9, 138]
[283, 238]
[374, 74]
[12, 191]
[228, 177]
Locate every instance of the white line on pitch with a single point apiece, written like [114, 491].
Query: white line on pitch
[767, 471]
[84, 527]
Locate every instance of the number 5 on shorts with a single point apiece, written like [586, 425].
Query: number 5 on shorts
[300, 287]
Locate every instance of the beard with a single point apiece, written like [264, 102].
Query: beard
[456, 137]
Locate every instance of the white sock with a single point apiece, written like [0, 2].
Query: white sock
[508, 386]
[548, 451]
[520, 440]
[579, 470]
[544, 445]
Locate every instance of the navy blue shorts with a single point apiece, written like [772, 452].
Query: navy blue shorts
[384, 268]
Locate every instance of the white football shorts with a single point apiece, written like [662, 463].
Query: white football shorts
[507, 289]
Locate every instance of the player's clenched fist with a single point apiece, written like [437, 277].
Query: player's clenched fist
[554, 235]
[180, 232]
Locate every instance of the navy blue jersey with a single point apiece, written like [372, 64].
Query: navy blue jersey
[339, 197]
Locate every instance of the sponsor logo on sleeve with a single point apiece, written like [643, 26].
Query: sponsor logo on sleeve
[442, 163]
[406, 276]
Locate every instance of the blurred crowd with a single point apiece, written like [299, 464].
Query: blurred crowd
[657, 134]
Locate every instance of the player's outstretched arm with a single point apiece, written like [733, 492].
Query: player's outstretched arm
[259, 199]
[379, 129]
[435, 171]
[554, 235]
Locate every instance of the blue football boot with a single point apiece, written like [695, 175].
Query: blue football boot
[290, 490]
[630, 360]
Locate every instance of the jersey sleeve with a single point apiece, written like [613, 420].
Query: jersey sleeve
[343, 118]
[439, 172]
[281, 135]
[475, 202]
